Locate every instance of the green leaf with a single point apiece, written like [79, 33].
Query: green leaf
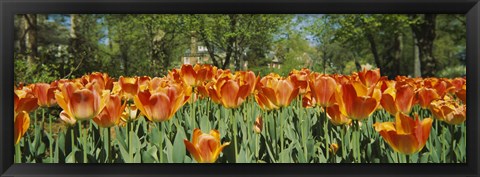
[71, 157]
[169, 150]
[149, 156]
[204, 124]
[179, 150]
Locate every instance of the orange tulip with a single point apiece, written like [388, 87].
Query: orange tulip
[111, 114]
[21, 123]
[336, 117]
[24, 100]
[195, 75]
[369, 77]
[425, 96]
[205, 148]
[128, 87]
[458, 84]
[405, 135]
[258, 125]
[462, 94]
[102, 79]
[232, 94]
[398, 99]
[247, 78]
[300, 79]
[189, 75]
[131, 113]
[70, 121]
[308, 100]
[333, 148]
[279, 91]
[81, 103]
[356, 101]
[448, 111]
[323, 90]
[228, 92]
[45, 94]
[162, 104]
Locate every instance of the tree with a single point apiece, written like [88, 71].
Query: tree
[234, 34]
[381, 33]
[423, 28]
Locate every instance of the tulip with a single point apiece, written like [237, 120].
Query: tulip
[131, 113]
[111, 114]
[448, 111]
[21, 123]
[425, 96]
[189, 75]
[308, 100]
[128, 86]
[162, 104]
[300, 79]
[205, 148]
[102, 79]
[462, 94]
[279, 91]
[81, 103]
[336, 117]
[70, 121]
[247, 78]
[398, 99]
[356, 102]
[45, 94]
[333, 148]
[405, 135]
[323, 90]
[369, 77]
[24, 100]
[195, 75]
[228, 92]
[258, 125]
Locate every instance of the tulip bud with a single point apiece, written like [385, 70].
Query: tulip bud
[333, 148]
[258, 125]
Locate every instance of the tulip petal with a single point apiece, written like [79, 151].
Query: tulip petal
[193, 151]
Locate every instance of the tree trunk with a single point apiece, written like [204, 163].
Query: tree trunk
[22, 31]
[416, 63]
[425, 34]
[373, 48]
[398, 47]
[231, 41]
[31, 38]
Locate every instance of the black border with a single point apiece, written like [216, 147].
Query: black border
[10, 7]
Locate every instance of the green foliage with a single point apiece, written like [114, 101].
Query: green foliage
[128, 44]
[454, 71]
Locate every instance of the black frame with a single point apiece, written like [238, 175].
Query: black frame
[10, 7]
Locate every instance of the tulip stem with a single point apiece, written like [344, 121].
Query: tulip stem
[109, 149]
[325, 130]
[192, 111]
[407, 158]
[234, 124]
[452, 144]
[356, 141]
[342, 134]
[72, 136]
[18, 153]
[83, 134]
[257, 147]
[162, 134]
[51, 134]
[281, 119]
[303, 124]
